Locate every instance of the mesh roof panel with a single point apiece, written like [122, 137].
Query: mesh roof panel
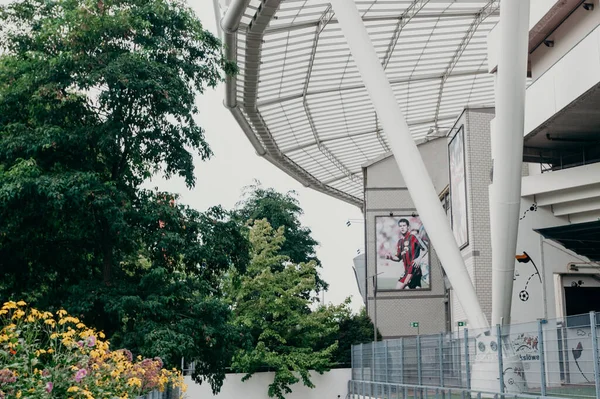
[303, 97]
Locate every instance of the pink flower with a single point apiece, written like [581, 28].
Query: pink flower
[7, 377]
[49, 386]
[80, 374]
[91, 341]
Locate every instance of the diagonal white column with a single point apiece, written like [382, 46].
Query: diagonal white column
[408, 159]
[507, 151]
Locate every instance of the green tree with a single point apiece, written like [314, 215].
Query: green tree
[167, 300]
[270, 302]
[353, 329]
[281, 210]
[96, 96]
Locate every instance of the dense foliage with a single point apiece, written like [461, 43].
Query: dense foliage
[281, 210]
[353, 329]
[95, 97]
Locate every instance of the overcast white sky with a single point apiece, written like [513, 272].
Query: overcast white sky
[236, 165]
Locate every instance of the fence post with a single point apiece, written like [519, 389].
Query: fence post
[441, 349]
[401, 360]
[387, 378]
[385, 348]
[352, 365]
[542, 359]
[595, 353]
[372, 361]
[419, 376]
[362, 368]
[468, 365]
[500, 364]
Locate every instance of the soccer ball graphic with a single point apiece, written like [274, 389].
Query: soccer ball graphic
[524, 295]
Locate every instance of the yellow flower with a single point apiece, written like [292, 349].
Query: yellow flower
[3, 311]
[18, 394]
[101, 335]
[73, 389]
[18, 314]
[21, 303]
[50, 350]
[134, 381]
[61, 313]
[50, 322]
[40, 352]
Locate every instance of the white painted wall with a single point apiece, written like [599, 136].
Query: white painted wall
[384, 173]
[570, 77]
[567, 36]
[561, 73]
[331, 385]
[539, 8]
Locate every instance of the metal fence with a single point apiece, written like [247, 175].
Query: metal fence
[558, 358]
[167, 394]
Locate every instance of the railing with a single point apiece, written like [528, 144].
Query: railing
[545, 358]
[167, 394]
[369, 389]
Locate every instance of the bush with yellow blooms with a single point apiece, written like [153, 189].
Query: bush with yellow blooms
[47, 355]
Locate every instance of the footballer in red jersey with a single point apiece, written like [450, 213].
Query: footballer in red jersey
[411, 251]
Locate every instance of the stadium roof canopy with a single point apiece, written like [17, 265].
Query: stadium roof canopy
[301, 101]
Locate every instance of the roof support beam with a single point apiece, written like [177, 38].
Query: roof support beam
[378, 131]
[404, 19]
[490, 8]
[417, 78]
[431, 15]
[412, 10]
[507, 152]
[323, 21]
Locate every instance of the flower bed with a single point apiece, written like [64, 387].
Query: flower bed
[45, 355]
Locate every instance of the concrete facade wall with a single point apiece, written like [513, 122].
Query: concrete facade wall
[385, 193]
[333, 384]
[477, 253]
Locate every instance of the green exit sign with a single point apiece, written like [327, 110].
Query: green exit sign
[414, 324]
[462, 323]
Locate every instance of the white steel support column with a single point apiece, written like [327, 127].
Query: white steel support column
[408, 158]
[505, 195]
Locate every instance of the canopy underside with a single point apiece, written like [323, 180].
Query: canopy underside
[302, 97]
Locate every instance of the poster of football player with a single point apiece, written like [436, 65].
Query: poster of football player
[402, 249]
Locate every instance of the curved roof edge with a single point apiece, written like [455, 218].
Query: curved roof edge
[246, 114]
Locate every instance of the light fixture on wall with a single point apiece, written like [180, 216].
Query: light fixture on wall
[549, 43]
[588, 6]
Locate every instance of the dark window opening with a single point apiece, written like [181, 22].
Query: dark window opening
[579, 302]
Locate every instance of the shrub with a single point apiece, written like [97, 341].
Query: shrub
[45, 355]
